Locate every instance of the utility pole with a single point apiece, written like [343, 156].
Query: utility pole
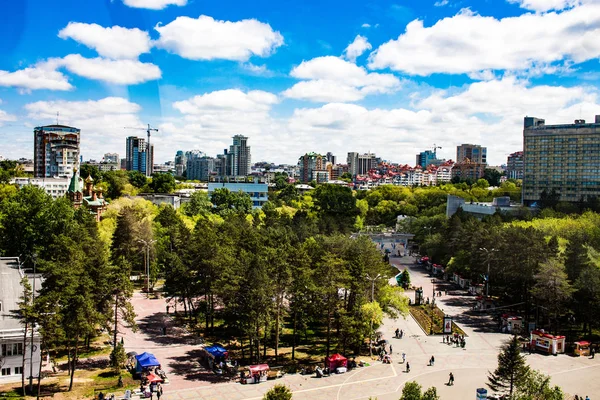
[31, 349]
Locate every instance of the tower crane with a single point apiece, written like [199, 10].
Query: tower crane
[435, 147]
[149, 165]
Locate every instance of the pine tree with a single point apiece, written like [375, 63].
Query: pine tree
[511, 368]
[411, 391]
[278, 392]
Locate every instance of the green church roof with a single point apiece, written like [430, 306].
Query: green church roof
[75, 185]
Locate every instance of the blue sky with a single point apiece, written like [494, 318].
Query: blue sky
[390, 77]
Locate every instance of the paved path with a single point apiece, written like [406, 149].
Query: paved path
[385, 382]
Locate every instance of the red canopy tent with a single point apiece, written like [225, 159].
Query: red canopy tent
[153, 378]
[335, 361]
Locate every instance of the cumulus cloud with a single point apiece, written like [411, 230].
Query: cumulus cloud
[468, 42]
[121, 72]
[112, 42]
[356, 48]
[546, 5]
[365, 25]
[101, 121]
[442, 3]
[6, 117]
[227, 100]
[154, 4]
[334, 79]
[42, 75]
[205, 38]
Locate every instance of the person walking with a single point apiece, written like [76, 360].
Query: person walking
[431, 361]
[451, 379]
[391, 352]
[407, 367]
[159, 391]
[403, 357]
[593, 352]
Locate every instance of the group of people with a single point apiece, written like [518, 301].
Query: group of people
[153, 388]
[458, 340]
[581, 397]
[399, 333]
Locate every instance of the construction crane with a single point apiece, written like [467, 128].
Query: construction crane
[435, 147]
[149, 151]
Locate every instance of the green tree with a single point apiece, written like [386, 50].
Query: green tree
[511, 370]
[90, 170]
[536, 386]
[26, 316]
[278, 392]
[199, 204]
[137, 179]
[118, 357]
[411, 391]
[492, 176]
[336, 208]
[162, 183]
[226, 201]
[552, 288]
[430, 394]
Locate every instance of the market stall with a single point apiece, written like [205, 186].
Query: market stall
[546, 343]
[337, 362]
[254, 373]
[582, 348]
[218, 353]
[511, 323]
[145, 362]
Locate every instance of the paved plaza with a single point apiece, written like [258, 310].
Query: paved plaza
[178, 351]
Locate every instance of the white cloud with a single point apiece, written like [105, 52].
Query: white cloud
[545, 5]
[6, 117]
[42, 75]
[356, 48]
[442, 3]
[227, 100]
[365, 25]
[121, 72]
[112, 42]
[256, 69]
[205, 38]
[154, 4]
[334, 79]
[101, 121]
[468, 42]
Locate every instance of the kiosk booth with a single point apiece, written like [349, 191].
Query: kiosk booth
[337, 363]
[546, 343]
[145, 362]
[254, 373]
[582, 348]
[511, 324]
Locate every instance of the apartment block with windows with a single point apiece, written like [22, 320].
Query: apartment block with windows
[563, 157]
[514, 165]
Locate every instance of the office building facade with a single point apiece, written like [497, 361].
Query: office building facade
[112, 158]
[137, 155]
[180, 163]
[56, 151]
[427, 158]
[238, 157]
[309, 165]
[514, 166]
[564, 158]
[200, 167]
[360, 164]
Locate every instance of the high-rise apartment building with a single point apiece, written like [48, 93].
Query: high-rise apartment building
[137, 155]
[427, 158]
[56, 150]
[474, 152]
[180, 163]
[200, 167]
[331, 158]
[310, 165]
[563, 157]
[360, 164]
[514, 165]
[238, 157]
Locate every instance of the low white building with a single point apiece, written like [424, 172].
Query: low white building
[11, 330]
[55, 187]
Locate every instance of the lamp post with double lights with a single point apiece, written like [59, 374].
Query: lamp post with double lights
[379, 276]
[147, 243]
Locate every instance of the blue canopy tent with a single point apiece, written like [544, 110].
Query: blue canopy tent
[217, 352]
[145, 360]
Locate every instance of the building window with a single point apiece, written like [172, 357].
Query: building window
[5, 371]
[18, 370]
[12, 349]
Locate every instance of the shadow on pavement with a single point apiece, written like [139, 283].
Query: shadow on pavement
[190, 368]
[153, 325]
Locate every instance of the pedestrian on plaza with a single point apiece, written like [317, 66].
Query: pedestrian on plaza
[391, 352]
[593, 352]
[403, 357]
[407, 367]
[587, 398]
[168, 307]
[431, 361]
[401, 333]
[443, 339]
[576, 397]
[397, 332]
[159, 391]
[451, 379]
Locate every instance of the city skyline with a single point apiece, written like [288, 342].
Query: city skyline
[298, 78]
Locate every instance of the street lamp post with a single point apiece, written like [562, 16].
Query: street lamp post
[147, 243]
[487, 277]
[34, 258]
[379, 276]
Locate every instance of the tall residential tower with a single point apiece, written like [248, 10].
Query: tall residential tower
[238, 157]
[56, 151]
